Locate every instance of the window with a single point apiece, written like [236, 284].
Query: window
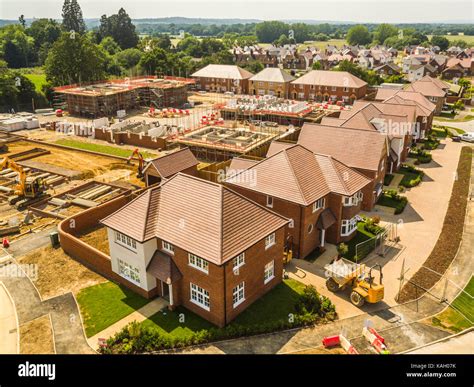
[333, 88]
[128, 271]
[348, 226]
[270, 201]
[125, 241]
[269, 272]
[238, 294]
[239, 261]
[346, 89]
[310, 229]
[200, 297]
[353, 200]
[269, 241]
[318, 204]
[198, 263]
[168, 247]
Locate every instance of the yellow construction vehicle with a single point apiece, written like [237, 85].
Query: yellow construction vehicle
[343, 273]
[29, 188]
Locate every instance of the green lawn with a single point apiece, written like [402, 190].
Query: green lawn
[39, 79]
[361, 236]
[438, 132]
[389, 201]
[99, 148]
[451, 318]
[275, 305]
[104, 304]
[409, 177]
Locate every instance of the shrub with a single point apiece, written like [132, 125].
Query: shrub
[372, 227]
[342, 249]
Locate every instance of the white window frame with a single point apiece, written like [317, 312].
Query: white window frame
[198, 263]
[199, 296]
[353, 200]
[125, 241]
[238, 295]
[238, 261]
[270, 201]
[349, 225]
[269, 272]
[129, 272]
[318, 204]
[168, 247]
[270, 240]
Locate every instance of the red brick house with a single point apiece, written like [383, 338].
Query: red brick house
[362, 150]
[320, 85]
[319, 194]
[198, 244]
[223, 78]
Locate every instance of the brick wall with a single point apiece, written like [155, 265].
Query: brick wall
[87, 255]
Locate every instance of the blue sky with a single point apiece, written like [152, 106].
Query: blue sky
[422, 11]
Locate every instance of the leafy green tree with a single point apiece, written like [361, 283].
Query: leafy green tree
[282, 40]
[358, 35]
[120, 27]
[440, 41]
[191, 46]
[72, 17]
[16, 90]
[269, 31]
[384, 31]
[110, 45]
[75, 59]
[128, 58]
[155, 61]
[369, 76]
[316, 65]
[301, 32]
[17, 47]
[459, 43]
[254, 66]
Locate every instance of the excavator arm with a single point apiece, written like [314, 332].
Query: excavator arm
[8, 163]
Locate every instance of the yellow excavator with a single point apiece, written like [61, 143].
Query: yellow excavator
[29, 188]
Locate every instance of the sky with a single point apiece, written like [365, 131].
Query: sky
[378, 11]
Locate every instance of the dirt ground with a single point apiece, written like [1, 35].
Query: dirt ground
[97, 237]
[52, 262]
[36, 337]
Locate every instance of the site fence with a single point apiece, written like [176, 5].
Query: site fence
[380, 244]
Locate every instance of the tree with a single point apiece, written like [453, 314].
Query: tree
[269, 31]
[369, 76]
[342, 249]
[75, 59]
[44, 32]
[440, 41]
[120, 27]
[109, 45]
[384, 31]
[72, 17]
[281, 41]
[254, 66]
[129, 58]
[316, 65]
[358, 35]
[17, 46]
[155, 61]
[22, 21]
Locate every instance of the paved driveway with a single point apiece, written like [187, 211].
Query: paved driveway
[9, 335]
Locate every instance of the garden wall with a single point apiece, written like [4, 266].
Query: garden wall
[88, 255]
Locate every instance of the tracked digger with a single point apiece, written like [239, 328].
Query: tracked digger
[29, 189]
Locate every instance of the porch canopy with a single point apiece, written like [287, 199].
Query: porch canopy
[162, 267]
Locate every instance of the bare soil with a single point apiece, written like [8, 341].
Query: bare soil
[36, 337]
[58, 273]
[97, 238]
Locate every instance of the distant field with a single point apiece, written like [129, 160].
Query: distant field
[467, 38]
[38, 79]
[321, 45]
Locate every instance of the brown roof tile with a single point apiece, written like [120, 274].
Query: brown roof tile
[203, 218]
[330, 78]
[173, 163]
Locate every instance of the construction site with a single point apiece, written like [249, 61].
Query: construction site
[109, 97]
[43, 184]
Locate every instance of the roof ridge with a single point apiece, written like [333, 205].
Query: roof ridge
[294, 174]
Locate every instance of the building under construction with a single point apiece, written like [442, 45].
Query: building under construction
[107, 98]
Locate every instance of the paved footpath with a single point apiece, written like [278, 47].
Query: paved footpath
[9, 335]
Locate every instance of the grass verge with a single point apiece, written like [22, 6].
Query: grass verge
[99, 148]
[104, 304]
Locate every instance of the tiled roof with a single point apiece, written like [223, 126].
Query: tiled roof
[173, 163]
[201, 217]
[354, 147]
[277, 146]
[330, 78]
[428, 89]
[223, 71]
[298, 175]
[273, 74]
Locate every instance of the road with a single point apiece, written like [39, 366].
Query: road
[9, 339]
[463, 344]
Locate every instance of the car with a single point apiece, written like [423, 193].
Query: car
[469, 137]
[456, 138]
